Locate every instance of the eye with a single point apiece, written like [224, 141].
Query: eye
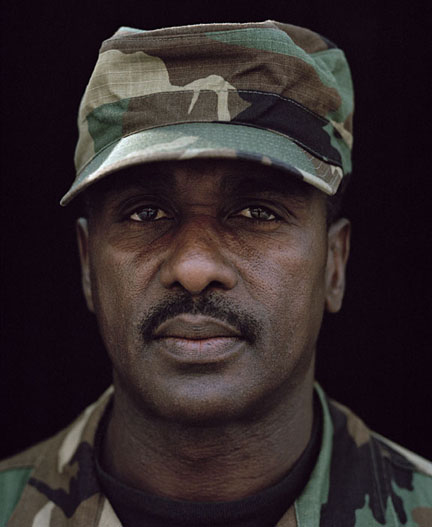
[258, 213]
[148, 213]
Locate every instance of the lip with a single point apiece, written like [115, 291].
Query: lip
[196, 339]
[195, 327]
[200, 351]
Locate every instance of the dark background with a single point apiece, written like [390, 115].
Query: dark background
[374, 356]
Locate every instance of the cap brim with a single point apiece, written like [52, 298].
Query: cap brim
[208, 140]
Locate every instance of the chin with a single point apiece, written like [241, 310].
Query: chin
[208, 413]
[208, 403]
[196, 404]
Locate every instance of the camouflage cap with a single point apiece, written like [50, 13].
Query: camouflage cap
[269, 92]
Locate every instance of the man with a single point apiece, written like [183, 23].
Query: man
[209, 162]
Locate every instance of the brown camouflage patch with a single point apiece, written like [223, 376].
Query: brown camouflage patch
[357, 430]
[288, 519]
[310, 41]
[422, 516]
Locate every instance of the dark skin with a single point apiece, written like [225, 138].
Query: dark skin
[209, 279]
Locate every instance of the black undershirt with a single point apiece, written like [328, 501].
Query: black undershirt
[136, 508]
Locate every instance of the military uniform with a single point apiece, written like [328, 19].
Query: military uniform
[360, 479]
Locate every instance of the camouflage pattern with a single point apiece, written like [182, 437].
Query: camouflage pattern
[269, 92]
[360, 479]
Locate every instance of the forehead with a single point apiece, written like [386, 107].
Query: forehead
[221, 177]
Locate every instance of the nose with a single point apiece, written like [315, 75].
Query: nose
[196, 261]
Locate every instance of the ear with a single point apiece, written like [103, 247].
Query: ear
[337, 256]
[83, 245]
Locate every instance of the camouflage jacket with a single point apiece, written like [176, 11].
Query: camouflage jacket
[360, 479]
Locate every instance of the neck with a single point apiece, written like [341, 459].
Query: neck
[220, 463]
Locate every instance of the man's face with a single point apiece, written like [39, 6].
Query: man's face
[209, 280]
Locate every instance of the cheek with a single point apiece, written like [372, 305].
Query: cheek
[118, 292]
[288, 279]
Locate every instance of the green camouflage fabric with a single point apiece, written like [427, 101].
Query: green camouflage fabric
[269, 92]
[360, 479]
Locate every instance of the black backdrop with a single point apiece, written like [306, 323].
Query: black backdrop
[374, 356]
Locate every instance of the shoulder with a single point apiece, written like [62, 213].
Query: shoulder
[417, 470]
[360, 434]
[40, 475]
[390, 479]
[15, 473]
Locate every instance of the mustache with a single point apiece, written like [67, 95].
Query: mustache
[211, 305]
